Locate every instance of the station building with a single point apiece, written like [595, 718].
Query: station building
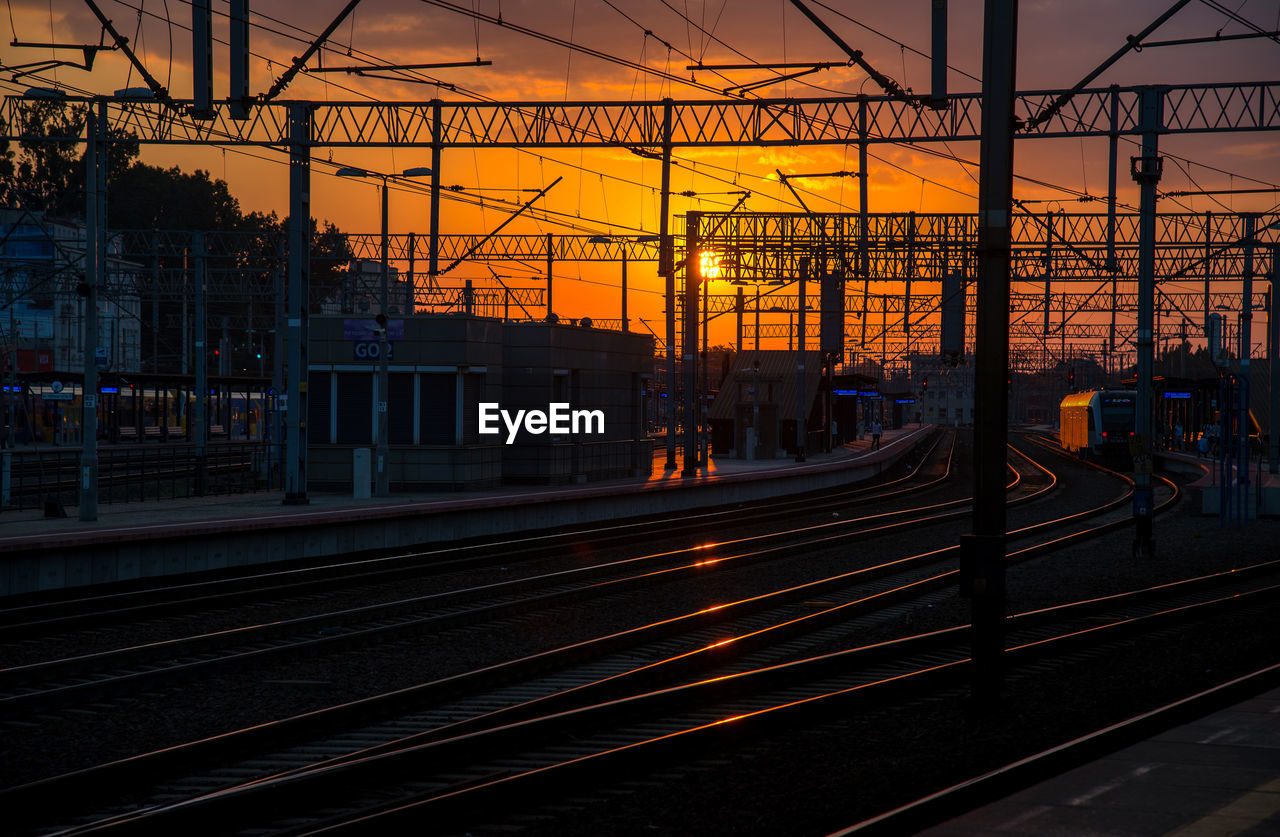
[441, 368]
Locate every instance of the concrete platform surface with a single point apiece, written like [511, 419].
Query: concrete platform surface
[1219, 775]
[172, 537]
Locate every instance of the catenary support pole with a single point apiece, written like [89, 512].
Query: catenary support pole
[200, 422]
[94, 271]
[1273, 328]
[983, 552]
[805, 267]
[689, 345]
[1113, 139]
[382, 479]
[437, 143]
[299, 225]
[1246, 366]
[667, 268]
[1146, 171]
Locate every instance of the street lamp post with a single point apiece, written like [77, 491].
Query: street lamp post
[382, 474]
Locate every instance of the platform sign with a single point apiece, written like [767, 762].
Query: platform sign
[100, 357]
[367, 330]
[370, 350]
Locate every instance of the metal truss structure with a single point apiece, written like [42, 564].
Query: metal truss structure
[1063, 290]
[1188, 108]
[652, 129]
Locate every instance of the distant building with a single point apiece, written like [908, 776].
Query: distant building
[361, 292]
[943, 393]
[41, 264]
[441, 368]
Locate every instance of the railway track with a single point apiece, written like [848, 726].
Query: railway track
[756, 629]
[76, 611]
[41, 686]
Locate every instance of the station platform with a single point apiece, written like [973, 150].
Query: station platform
[167, 537]
[1217, 775]
[1261, 499]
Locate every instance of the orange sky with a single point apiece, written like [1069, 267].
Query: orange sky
[615, 191]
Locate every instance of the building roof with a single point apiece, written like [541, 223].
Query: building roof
[774, 365]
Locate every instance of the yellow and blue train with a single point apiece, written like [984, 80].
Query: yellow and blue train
[1098, 424]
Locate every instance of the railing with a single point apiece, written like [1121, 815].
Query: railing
[133, 473]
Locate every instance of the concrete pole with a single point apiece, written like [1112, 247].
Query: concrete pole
[275, 429]
[1147, 174]
[739, 304]
[1246, 337]
[1112, 145]
[909, 273]
[1273, 329]
[295, 465]
[800, 417]
[200, 423]
[689, 347]
[703, 441]
[626, 324]
[437, 143]
[982, 553]
[1208, 265]
[550, 263]
[382, 479]
[94, 270]
[667, 268]
[864, 256]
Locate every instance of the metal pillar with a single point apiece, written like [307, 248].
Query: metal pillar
[295, 465]
[275, 428]
[1112, 145]
[1146, 171]
[238, 91]
[200, 423]
[202, 54]
[382, 478]
[906, 282]
[864, 257]
[667, 268]
[550, 262]
[94, 271]
[1273, 329]
[739, 305]
[626, 323]
[800, 422]
[704, 459]
[982, 553]
[437, 142]
[689, 347]
[1208, 264]
[1246, 321]
[938, 87]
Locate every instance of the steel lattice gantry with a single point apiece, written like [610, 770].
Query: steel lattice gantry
[660, 126]
[1060, 263]
[1188, 108]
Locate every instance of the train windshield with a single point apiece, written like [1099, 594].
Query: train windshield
[1117, 414]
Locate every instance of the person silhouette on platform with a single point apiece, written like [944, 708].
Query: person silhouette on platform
[876, 430]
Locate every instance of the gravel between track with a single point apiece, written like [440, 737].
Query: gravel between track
[822, 777]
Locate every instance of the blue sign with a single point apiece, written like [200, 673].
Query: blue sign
[844, 392]
[1177, 395]
[110, 390]
[369, 349]
[367, 330]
